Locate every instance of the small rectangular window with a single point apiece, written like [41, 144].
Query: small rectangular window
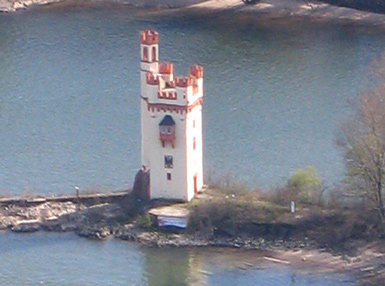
[168, 176]
[168, 161]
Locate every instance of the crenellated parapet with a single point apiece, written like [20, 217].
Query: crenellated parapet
[152, 79]
[159, 85]
[181, 81]
[196, 71]
[166, 68]
[149, 37]
[169, 94]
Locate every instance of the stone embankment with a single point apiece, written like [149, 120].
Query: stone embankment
[114, 215]
[65, 213]
[14, 5]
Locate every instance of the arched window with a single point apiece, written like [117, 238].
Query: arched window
[153, 54]
[145, 54]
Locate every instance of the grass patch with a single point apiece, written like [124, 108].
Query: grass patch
[229, 212]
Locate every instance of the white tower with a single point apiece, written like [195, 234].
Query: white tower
[171, 118]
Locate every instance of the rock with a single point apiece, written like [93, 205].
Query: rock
[27, 226]
[126, 236]
[58, 225]
[93, 232]
[7, 222]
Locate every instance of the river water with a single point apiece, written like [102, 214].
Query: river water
[69, 115]
[69, 97]
[64, 259]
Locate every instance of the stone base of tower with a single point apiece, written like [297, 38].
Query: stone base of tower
[142, 189]
[182, 196]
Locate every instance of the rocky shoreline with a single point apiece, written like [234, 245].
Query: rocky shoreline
[263, 9]
[15, 5]
[115, 216]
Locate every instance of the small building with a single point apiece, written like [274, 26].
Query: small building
[171, 124]
[173, 216]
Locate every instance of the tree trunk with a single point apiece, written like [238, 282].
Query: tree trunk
[380, 202]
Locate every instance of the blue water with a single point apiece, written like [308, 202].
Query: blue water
[274, 92]
[65, 259]
[69, 115]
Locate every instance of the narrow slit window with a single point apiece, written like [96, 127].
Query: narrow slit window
[145, 54]
[154, 59]
[168, 161]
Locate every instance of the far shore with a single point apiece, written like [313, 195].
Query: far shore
[262, 9]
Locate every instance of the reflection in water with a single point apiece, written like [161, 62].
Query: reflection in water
[174, 267]
[58, 259]
[228, 267]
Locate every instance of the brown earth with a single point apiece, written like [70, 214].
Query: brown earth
[286, 9]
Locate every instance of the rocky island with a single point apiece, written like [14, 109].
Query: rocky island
[326, 238]
[332, 238]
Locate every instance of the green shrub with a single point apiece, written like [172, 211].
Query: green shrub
[145, 221]
[304, 185]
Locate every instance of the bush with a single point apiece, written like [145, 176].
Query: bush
[145, 221]
[304, 185]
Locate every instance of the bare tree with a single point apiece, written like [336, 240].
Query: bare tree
[362, 139]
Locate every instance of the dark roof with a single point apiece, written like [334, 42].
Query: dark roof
[167, 121]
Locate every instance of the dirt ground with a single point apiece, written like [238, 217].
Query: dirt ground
[368, 266]
[266, 8]
[293, 8]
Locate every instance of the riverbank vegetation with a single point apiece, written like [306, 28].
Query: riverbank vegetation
[322, 219]
[362, 140]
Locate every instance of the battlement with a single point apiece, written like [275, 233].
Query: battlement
[181, 81]
[166, 68]
[167, 95]
[149, 37]
[152, 78]
[196, 71]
